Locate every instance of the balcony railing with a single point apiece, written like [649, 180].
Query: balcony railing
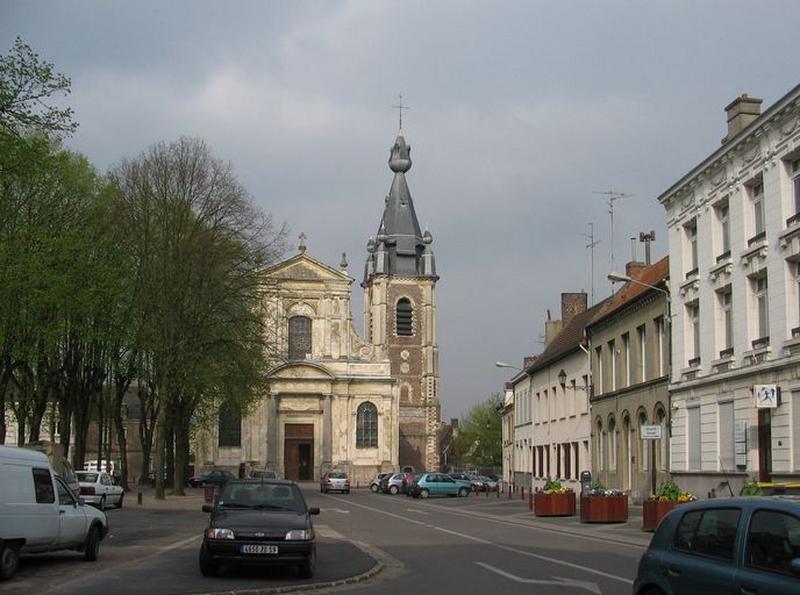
[724, 256]
[760, 342]
[759, 237]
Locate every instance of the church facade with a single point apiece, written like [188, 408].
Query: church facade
[337, 401]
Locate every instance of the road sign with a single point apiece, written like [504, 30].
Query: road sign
[651, 432]
[766, 396]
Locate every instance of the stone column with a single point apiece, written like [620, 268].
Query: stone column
[327, 431]
[272, 432]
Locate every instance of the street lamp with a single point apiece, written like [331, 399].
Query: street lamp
[505, 365]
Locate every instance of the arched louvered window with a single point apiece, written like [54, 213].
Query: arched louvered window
[367, 426]
[230, 426]
[299, 337]
[405, 318]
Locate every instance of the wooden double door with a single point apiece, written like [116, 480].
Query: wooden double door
[298, 452]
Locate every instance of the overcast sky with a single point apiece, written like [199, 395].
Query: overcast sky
[520, 112]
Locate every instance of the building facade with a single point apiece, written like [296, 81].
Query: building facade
[506, 411]
[332, 401]
[734, 243]
[629, 345]
[400, 314]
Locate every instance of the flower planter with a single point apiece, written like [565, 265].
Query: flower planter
[655, 510]
[554, 504]
[604, 509]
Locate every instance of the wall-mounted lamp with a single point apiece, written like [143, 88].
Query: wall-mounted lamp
[562, 378]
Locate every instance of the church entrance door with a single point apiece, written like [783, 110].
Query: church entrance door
[298, 452]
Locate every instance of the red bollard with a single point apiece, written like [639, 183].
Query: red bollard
[530, 501]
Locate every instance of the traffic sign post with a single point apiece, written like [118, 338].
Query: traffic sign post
[652, 432]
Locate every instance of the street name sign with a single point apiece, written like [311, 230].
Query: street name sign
[651, 432]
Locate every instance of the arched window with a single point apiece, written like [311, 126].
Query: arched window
[660, 418]
[644, 454]
[405, 318]
[299, 337]
[367, 426]
[230, 426]
[612, 444]
[600, 444]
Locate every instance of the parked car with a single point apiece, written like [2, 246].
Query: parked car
[218, 477]
[475, 483]
[263, 474]
[375, 484]
[437, 484]
[97, 488]
[393, 483]
[410, 479]
[489, 484]
[334, 481]
[725, 545]
[39, 513]
[259, 522]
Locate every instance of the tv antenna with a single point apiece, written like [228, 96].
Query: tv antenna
[612, 197]
[592, 243]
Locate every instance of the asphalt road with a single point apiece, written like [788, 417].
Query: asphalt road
[446, 545]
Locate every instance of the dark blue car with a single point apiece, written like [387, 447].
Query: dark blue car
[726, 545]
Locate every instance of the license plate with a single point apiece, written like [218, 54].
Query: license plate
[259, 549]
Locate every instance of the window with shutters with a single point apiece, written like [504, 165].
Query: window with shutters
[727, 455]
[230, 426]
[367, 426]
[693, 437]
[404, 318]
[299, 337]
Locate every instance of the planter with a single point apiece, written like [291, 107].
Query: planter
[655, 510]
[604, 509]
[554, 504]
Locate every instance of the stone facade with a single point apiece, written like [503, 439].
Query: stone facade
[734, 240]
[309, 420]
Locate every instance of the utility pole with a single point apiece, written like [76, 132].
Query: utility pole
[612, 197]
[592, 243]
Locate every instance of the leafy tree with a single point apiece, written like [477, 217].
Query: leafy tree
[479, 439]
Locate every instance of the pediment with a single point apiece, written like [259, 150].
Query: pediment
[305, 268]
[301, 370]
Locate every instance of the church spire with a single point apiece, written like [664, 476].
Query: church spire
[404, 247]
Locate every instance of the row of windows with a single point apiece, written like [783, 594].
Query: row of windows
[608, 450]
[632, 362]
[552, 404]
[565, 462]
[230, 426]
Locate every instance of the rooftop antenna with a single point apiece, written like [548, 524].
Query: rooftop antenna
[592, 243]
[400, 107]
[612, 197]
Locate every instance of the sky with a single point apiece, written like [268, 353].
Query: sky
[521, 114]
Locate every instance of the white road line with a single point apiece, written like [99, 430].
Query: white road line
[556, 580]
[497, 545]
[415, 511]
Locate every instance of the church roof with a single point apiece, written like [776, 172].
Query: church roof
[399, 247]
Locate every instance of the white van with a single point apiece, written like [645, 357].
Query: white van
[39, 513]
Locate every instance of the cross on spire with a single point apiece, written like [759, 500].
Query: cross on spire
[400, 107]
[302, 246]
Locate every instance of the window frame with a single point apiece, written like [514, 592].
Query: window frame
[51, 490]
[367, 428]
[300, 351]
[226, 436]
[746, 561]
[407, 326]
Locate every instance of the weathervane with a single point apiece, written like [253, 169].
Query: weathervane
[400, 107]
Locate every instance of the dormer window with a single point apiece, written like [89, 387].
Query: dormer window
[404, 318]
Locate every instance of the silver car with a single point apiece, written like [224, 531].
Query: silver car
[375, 485]
[334, 481]
[392, 483]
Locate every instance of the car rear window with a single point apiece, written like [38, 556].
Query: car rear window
[773, 541]
[710, 532]
[337, 475]
[87, 477]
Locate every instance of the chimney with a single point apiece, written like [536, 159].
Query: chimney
[527, 362]
[741, 112]
[551, 329]
[633, 269]
[572, 304]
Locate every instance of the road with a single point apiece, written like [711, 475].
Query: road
[446, 545]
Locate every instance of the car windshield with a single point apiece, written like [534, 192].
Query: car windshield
[263, 496]
[87, 477]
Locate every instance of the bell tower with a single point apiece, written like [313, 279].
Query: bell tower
[400, 313]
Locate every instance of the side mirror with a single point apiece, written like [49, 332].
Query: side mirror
[795, 564]
[208, 508]
[313, 510]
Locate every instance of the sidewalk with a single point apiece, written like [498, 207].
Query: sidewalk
[192, 501]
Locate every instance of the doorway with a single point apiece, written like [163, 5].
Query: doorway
[298, 452]
[764, 444]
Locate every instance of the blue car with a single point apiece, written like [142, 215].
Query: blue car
[437, 484]
[725, 545]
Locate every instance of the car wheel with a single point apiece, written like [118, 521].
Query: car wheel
[424, 494]
[373, 488]
[306, 569]
[207, 566]
[121, 498]
[9, 561]
[91, 547]
[393, 490]
[463, 492]
[102, 504]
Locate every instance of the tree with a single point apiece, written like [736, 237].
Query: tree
[479, 437]
[199, 248]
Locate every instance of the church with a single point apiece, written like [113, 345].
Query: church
[337, 400]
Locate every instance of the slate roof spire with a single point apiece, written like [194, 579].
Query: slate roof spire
[406, 251]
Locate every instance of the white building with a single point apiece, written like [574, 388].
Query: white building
[734, 242]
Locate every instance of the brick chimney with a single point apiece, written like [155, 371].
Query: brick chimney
[741, 112]
[571, 305]
[633, 269]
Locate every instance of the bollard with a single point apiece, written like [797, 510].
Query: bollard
[522, 493]
[509, 491]
[530, 500]
[139, 498]
[498, 491]
[487, 491]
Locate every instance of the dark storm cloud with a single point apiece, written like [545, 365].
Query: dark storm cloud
[519, 111]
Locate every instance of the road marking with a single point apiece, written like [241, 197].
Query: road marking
[556, 580]
[339, 510]
[416, 511]
[497, 545]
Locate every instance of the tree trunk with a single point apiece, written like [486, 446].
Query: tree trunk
[158, 459]
[100, 429]
[65, 425]
[120, 388]
[181, 428]
[169, 470]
